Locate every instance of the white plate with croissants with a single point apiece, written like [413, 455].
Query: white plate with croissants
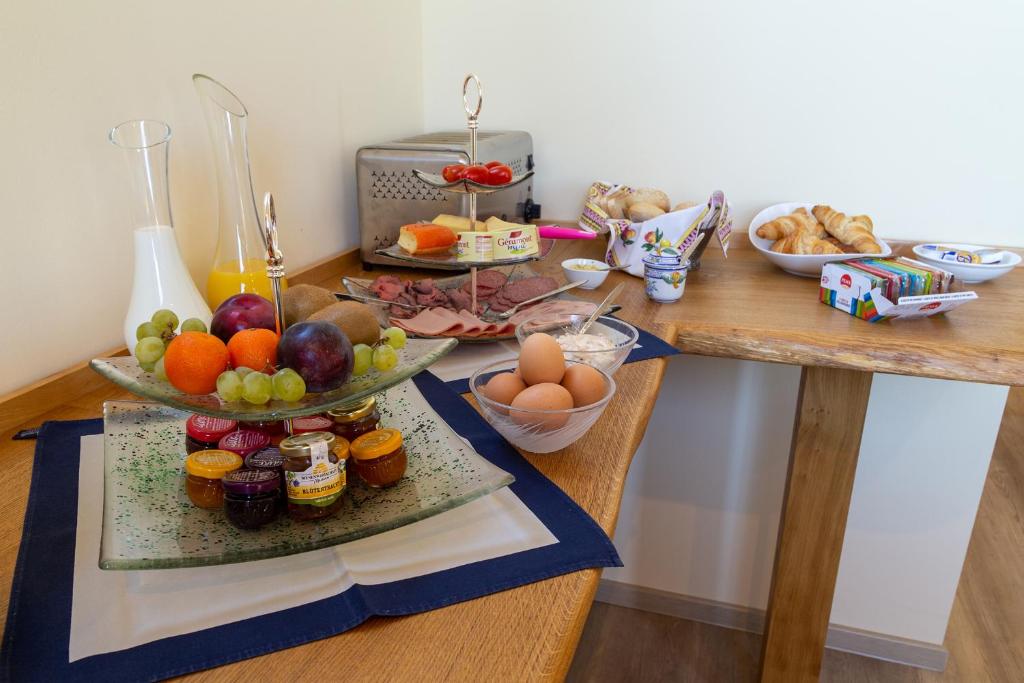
[801, 237]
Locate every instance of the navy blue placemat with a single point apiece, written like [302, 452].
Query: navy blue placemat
[35, 645]
[647, 346]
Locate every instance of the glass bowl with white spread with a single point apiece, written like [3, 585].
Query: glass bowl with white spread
[605, 345]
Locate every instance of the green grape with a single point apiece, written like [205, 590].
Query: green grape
[363, 355]
[257, 387]
[384, 358]
[159, 371]
[148, 367]
[165, 319]
[229, 386]
[394, 337]
[193, 325]
[146, 329]
[243, 371]
[149, 350]
[288, 385]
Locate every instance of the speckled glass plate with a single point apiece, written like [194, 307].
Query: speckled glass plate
[149, 523]
[418, 355]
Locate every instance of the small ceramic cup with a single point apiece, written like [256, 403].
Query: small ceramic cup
[665, 278]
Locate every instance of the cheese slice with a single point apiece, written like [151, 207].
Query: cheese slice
[456, 223]
[494, 224]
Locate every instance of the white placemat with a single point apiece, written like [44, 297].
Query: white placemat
[115, 610]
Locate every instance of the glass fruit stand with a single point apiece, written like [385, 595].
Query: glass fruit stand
[148, 520]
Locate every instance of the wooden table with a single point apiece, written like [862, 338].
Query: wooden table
[742, 308]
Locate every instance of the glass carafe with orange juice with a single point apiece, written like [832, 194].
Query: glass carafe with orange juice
[240, 262]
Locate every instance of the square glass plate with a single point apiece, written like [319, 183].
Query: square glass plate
[416, 356]
[149, 523]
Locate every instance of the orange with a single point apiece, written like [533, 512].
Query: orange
[255, 348]
[193, 360]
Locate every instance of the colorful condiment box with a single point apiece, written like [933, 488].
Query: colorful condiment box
[857, 288]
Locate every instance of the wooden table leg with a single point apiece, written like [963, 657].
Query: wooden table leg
[822, 462]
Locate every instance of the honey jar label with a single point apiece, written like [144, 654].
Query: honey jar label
[321, 483]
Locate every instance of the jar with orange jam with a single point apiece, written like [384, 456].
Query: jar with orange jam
[314, 472]
[355, 419]
[379, 458]
[203, 472]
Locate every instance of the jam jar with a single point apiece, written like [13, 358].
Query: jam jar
[379, 458]
[355, 419]
[275, 429]
[203, 472]
[311, 423]
[243, 442]
[269, 459]
[314, 470]
[252, 498]
[202, 432]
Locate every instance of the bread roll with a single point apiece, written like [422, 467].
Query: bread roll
[426, 239]
[638, 213]
[649, 195]
[682, 206]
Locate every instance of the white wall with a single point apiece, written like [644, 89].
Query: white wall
[319, 80]
[909, 111]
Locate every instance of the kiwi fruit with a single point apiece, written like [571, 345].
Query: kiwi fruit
[302, 301]
[356, 320]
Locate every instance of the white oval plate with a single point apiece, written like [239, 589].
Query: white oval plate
[970, 272]
[804, 265]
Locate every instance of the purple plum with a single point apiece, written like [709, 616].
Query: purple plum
[319, 352]
[242, 312]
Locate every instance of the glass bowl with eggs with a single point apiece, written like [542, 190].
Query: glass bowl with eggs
[605, 345]
[541, 416]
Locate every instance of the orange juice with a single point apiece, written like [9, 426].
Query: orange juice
[228, 279]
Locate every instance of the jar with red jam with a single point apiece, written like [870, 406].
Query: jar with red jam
[379, 458]
[203, 472]
[252, 498]
[355, 419]
[314, 470]
[202, 432]
[275, 429]
[311, 423]
[243, 442]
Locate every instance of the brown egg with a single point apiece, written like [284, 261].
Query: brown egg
[543, 396]
[503, 387]
[541, 360]
[586, 384]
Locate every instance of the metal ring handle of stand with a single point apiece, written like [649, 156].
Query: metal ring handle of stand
[472, 113]
[275, 259]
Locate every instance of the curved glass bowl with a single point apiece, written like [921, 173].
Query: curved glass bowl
[467, 186]
[536, 431]
[622, 334]
[149, 523]
[418, 355]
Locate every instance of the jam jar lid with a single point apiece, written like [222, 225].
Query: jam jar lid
[212, 464]
[353, 411]
[244, 441]
[311, 423]
[301, 444]
[376, 444]
[251, 482]
[209, 429]
[267, 459]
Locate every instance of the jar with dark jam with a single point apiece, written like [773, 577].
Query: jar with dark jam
[203, 472]
[243, 442]
[269, 459]
[252, 498]
[202, 432]
[379, 457]
[311, 423]
[273, 428]
[355, 419]
[314, 470]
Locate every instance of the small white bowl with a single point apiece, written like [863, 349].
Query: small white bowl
[591, 279]
[804, 265]
[970, 272]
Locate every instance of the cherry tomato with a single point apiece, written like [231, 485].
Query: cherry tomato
[477, 174]
[453, 172]
[492, 164]
[499, 175]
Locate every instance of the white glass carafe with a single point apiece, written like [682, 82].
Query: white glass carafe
[161, 279]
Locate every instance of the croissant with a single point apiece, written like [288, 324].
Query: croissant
[855, 231]
[784, 226]
[804, 241]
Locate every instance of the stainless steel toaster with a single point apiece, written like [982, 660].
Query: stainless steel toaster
[390, 196]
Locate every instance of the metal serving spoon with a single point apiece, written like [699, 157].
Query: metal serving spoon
[601, 307]
[505, 315]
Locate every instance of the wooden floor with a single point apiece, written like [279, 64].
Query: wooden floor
[986, 629]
